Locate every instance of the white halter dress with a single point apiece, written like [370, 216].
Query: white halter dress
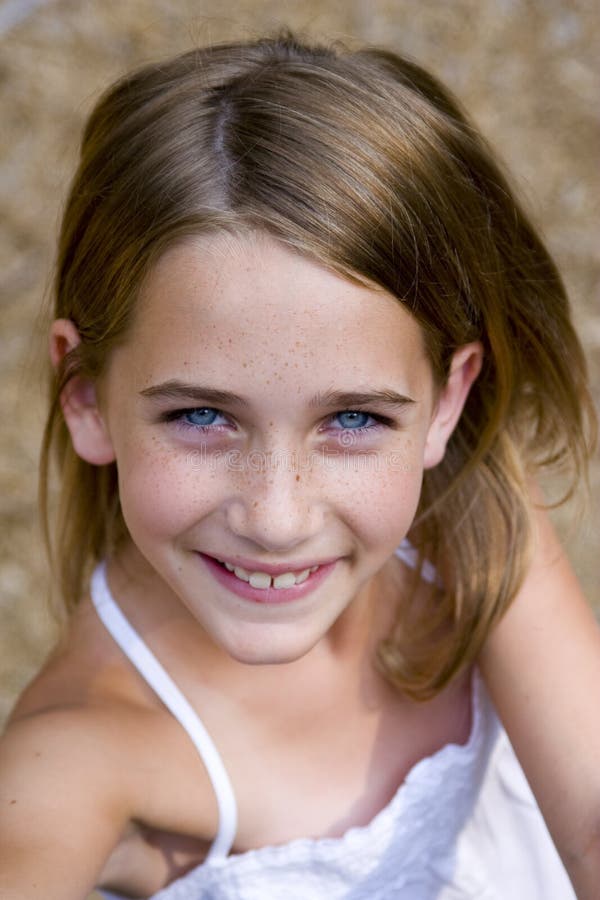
[463, 825]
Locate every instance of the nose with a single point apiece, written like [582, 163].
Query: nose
[276, 505]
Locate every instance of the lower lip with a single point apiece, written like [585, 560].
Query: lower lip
[267, 595]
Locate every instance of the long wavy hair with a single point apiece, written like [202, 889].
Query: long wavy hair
[362, 161]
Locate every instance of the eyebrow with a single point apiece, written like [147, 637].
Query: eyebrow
[349, 399]
[199, 393]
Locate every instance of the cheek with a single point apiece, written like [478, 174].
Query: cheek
[392, 507]
[162, 494]
[380, 495]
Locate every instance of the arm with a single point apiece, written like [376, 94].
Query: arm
[541, 665]
[59, 814]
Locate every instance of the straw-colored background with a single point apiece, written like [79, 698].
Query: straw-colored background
[524, 69]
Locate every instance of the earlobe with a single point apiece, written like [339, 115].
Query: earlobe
[89, 434]
[464, 369]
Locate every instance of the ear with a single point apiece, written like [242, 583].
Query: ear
[464, 369]
[89, 434]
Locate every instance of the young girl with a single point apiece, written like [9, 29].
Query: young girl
[309, 356]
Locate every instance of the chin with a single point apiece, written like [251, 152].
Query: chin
[267, 652]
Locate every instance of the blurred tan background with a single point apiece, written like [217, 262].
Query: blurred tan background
[524, 68]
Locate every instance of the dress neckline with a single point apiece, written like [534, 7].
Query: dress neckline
[452, 756]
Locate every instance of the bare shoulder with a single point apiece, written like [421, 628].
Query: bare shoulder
[63, 801]
[86, 717]
[81, 771]
[67, 782]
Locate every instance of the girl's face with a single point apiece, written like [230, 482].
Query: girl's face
[271, 415]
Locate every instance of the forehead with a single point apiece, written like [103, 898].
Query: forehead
[249, 301]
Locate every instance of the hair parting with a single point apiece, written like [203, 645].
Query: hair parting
[363, 161]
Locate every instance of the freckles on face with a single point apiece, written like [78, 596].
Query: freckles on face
[252, 318]
[379, 494]
[163, 494]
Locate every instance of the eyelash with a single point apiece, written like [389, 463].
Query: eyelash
[178, 418]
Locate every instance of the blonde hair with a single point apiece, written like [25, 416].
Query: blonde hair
[363, 161]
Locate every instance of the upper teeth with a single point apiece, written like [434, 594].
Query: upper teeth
[264, 580]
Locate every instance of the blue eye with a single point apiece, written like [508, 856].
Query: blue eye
[353, 419]
[207, 419]
[356, 422]
[200, 417]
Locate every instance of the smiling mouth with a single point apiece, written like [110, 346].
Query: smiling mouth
[264, 581]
